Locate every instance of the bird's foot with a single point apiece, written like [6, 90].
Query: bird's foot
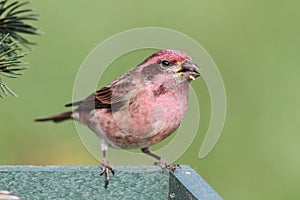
[105, 168]
[164, 164]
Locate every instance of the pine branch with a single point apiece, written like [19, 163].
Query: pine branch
[10, 64]
[13, 25]
[13, 20]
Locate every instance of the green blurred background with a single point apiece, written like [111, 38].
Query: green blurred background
[256, 46]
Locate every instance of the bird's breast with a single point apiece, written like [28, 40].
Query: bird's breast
[150, 115]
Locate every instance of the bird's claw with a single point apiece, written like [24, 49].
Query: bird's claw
[164, 164]
[105, 168]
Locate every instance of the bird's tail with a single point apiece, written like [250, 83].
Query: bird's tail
[56, 118]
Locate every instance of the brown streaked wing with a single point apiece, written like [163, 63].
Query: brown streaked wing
[115, 94]
[94, 101]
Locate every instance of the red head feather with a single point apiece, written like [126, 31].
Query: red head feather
[168, 54]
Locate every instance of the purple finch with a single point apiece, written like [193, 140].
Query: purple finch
[140, 108]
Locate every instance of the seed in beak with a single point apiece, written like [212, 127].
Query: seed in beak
[192, 78]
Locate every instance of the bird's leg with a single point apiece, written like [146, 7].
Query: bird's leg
[163, 163]
[105, 167]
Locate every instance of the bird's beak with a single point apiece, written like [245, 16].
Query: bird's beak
[188, 69]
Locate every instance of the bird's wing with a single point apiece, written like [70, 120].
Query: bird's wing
[95, 100]
[114, 95]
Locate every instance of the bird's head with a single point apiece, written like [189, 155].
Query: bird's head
[169, 63]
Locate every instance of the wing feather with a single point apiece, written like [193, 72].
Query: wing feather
[116, 94]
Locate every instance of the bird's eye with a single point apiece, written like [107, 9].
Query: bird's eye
[165, 63]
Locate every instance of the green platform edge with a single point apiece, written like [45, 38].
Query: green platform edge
[84, 182]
